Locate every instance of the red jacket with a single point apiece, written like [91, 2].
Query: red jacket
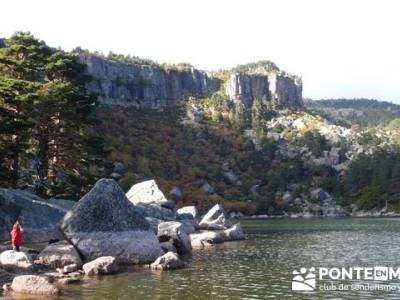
[16, 237]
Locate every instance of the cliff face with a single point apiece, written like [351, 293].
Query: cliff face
[145, 85]
[153, 86]
[245, 88]
[280, 89]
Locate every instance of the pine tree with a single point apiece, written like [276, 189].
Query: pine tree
[21, 63]
[46, 117]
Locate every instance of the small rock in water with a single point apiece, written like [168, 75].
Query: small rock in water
[215, 219]
[32, 284]
[101, 266]
[206, 238]
[234, 233]
[168, 261]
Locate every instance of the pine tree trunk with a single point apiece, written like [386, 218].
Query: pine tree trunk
[15, 161]
[43, 164]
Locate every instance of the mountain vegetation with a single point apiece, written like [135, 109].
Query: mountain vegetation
[56, 139]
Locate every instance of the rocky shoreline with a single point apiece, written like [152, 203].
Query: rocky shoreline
[103, 232]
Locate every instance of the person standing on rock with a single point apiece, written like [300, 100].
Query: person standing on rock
[16, 236]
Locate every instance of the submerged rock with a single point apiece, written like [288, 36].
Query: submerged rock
[58, 255]
[32, 284]
[168, 261]
[101, 266]
[105, 223]
[215, 219]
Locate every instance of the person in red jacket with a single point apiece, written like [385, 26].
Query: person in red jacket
[16, 236]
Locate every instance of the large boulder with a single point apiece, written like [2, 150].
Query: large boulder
[206, 238]
[173, 232]
[146, 192]
[105, 223]
[38, 217]
[168, 261]
[101, 266]
[16, 261]
[215, 219]
[234, 233]
[58, 255]
[32, 284]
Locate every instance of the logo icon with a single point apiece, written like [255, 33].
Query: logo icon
[303, 280]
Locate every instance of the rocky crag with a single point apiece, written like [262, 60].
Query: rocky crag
[143, 85]
[278, 88]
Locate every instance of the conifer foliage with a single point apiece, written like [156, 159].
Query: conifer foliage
[45, 113]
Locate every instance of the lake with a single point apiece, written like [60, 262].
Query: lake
[261, 266]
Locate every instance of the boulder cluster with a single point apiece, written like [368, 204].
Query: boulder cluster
[108, 228]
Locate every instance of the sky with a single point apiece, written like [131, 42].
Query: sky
[340, 48]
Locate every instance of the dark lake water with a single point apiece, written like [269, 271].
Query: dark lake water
[261, 267]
